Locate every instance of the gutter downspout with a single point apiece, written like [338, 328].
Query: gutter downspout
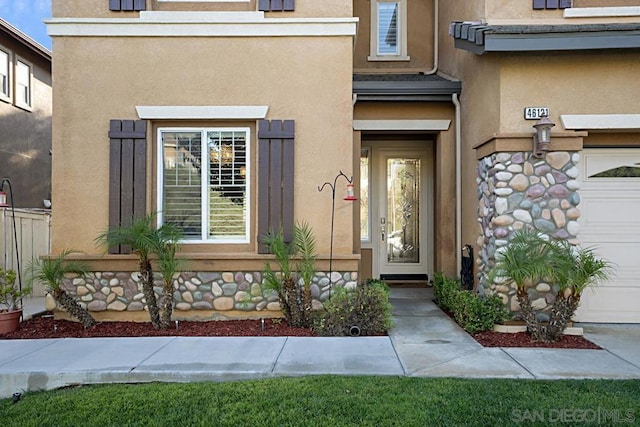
[425, 71]
[456, 103]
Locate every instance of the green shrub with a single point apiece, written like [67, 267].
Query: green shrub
[366, 307]
[445, 291]
[474, 313]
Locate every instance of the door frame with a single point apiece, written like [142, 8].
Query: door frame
[379, 151]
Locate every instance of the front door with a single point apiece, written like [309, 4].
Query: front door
[401, 212]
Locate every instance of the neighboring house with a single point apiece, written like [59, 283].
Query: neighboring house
[226, 117]
[25, 117]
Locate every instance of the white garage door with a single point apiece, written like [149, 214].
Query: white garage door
[610, 222]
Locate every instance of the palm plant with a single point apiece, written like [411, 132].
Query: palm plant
[51, 272]
[146, 240]
[299, 255]
[530, 258]
[168, 265]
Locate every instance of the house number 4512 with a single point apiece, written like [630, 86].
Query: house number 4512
[535, 113]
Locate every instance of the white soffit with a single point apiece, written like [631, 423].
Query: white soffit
[202, 24]
[614, 122]
[399, 125]
[602, 12]
[202, 112]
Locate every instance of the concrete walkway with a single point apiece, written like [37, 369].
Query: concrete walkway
[425, 343]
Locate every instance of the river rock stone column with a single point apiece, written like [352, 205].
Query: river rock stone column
[517, 190]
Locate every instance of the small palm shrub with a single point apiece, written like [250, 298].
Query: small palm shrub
[147, 241]
[292, 283]
[474, 313]
[530, 258]
[51, 272]
[363, 310]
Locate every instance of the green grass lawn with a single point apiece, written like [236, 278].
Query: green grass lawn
[333, 401]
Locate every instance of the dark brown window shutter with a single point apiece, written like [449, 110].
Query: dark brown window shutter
[127, 5]
[277, 5]
[127, 173]
[275, 178]
[552, 4]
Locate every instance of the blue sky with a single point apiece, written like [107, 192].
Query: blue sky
[27, 16]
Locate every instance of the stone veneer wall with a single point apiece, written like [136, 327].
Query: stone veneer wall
[517, 190]
[219, 291]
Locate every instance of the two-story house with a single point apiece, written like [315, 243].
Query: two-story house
[25, 117]
[225, 118]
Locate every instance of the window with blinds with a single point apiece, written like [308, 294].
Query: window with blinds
[388, 28]
[204, 183]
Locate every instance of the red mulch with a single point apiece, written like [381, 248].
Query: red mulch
[47, 327]
[522, 339]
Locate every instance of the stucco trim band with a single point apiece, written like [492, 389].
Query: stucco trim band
[602, 122]
[202, 24]
[402, 125]
[508, 143]
[602, 12]
[213, 112]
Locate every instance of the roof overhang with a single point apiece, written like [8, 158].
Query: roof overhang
[404, 88]
[25, 40]
[481, 38]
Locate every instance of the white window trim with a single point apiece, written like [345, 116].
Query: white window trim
[206, 112]
[204, 1]
[17, 101]
[160, 180]
[402, 33]
[7, 97]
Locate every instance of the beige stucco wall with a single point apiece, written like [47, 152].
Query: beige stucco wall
[419, 38]
[572, 84]
[100, 8]
[25, 135]
[98, 79]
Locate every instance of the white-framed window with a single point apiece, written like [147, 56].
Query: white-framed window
[388, 31]
[203, 176]
[5, 75]
[22, 92]
[365, 217]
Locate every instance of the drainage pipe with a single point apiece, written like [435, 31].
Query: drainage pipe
[456, 103]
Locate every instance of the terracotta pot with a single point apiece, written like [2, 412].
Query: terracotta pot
[9, 321]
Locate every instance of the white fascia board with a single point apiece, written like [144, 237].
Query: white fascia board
[602, 12]
[400, 125]
[210, 112]
[615, 122]
[202, 24]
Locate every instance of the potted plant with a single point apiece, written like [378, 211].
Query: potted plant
[10, 301]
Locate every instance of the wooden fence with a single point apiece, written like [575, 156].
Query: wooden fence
[33, 228]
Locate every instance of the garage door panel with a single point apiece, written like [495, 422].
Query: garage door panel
[606, 305]
[610, 223]
[599, 209]
[625, 255]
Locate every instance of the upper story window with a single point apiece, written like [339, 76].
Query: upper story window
[5, 66]
[23, 84]
[388, 31]
[203, 178]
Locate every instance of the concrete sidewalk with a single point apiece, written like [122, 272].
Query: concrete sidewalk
[425, 343]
